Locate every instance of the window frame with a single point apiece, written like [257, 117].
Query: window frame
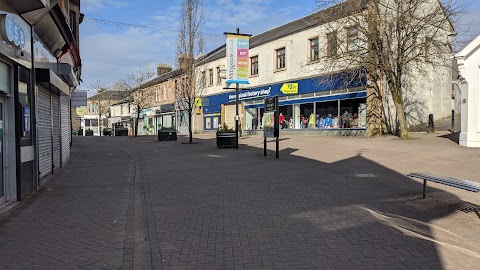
[219, 78]
[254, 66]
[278, 58]
[332, 44]
[355, 40]
[210, 77]
[311, 49]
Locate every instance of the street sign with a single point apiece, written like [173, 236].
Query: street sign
[271, 104]
[79, 99]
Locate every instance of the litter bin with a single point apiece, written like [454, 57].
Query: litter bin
[89, 132]
[80, 132]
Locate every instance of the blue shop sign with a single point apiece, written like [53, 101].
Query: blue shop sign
[325, 83]
[212, 109]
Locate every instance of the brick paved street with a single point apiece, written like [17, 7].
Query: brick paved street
[327, 203]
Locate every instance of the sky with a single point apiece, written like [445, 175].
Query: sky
[111, 48]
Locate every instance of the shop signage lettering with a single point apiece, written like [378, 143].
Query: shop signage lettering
[251, 94]
[289, 88]
[12, 32]
[79, 99]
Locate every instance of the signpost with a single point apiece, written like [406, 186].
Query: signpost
[238, 46]
[270, 124]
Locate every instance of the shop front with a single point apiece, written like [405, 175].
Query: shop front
[308, 104]
[17, 152]
[166, 116]
[212, 116]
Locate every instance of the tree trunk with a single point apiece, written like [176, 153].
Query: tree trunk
[401, 117]
[136, 123]
[374, 111]
[190, 134]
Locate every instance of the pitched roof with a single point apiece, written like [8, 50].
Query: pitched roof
[110, 95]
[162, 78]
[318, 18]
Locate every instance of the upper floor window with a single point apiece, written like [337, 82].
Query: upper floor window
[254, 65]
[204, 79]
[332, 50]
[164, 92]
[157, 94]
[219, 78]
[210, 76]
[281, 58]
[314, 52]
[352, 38]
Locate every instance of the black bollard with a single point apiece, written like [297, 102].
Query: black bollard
[452, 129]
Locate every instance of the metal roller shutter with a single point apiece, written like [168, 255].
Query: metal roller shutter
[56, 139]
[44, 132]
[65, 127]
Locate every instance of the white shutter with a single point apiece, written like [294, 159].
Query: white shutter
[56, 141]
[65, 127]
[44, 132]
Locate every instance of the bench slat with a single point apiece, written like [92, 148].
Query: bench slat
[449, 181]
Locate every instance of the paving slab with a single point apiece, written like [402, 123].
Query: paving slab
[327, 203]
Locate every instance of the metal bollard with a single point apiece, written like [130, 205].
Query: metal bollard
[452, 129]
[431, 125]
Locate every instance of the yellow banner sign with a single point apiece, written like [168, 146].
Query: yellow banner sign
[80, 111]
[198, 102]
[289, 88]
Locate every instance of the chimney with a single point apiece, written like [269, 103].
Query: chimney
[184, 61]
[162, 69]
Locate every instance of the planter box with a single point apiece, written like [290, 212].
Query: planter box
[88, 132]
[121, 132]
[226, 140]
[107, 132]
[167, 135]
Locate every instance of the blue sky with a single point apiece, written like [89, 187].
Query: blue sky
[110, 51]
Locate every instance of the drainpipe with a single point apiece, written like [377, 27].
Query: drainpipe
[33, 114]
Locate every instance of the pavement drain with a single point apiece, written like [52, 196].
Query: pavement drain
[365, 175]
[469, 208]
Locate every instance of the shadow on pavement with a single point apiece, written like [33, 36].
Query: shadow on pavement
[242, 208]
[212, 208]
[455, 137]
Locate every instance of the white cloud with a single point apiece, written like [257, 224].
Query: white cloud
[95, 5]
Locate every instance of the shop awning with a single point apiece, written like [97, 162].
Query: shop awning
[65, 71]
[48, 79]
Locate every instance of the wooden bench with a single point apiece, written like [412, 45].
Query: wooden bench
[448, 181]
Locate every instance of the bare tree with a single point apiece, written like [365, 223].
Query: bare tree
[141, 97]
[102, 106]
[190, 45]
[392, 44]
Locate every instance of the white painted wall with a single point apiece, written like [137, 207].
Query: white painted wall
[469, 67]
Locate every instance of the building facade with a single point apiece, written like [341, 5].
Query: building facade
[469, 82]
[288, 62]
[40, 65]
